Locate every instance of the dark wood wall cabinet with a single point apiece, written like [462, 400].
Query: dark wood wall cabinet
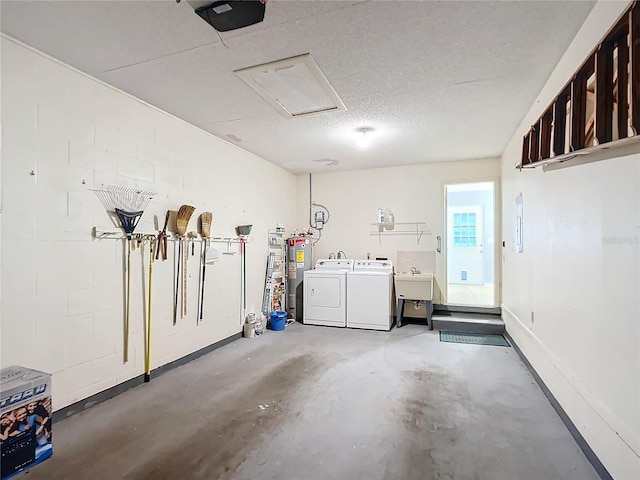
[599, 107]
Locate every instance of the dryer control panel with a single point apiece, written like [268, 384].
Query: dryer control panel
[383, 266]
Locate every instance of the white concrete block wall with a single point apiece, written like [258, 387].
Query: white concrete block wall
[64, 133]
[580, 274]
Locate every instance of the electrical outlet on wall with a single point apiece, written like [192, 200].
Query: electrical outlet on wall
[532, 318]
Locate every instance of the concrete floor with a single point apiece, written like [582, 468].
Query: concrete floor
[325, 403]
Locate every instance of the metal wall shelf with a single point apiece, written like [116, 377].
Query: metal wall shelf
[400, 228]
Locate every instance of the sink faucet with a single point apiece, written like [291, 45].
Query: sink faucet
[414, 270]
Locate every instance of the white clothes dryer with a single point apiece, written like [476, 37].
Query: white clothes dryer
[370, 295]
[325, 293]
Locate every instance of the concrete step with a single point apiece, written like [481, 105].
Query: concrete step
[467, 323]
[465, 309]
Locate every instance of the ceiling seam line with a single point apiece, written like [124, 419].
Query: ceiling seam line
[149, 60]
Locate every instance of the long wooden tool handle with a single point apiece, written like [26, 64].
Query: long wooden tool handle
[128, 297]
[204, 271]
[243, 247]
[147, 358]
[202, 249]
[184, 279]
[175, 303]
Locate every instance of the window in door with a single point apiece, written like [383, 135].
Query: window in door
[464, 230]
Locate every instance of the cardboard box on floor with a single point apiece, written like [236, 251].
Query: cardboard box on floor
[25, 419]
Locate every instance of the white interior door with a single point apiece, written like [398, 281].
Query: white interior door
[470, 244]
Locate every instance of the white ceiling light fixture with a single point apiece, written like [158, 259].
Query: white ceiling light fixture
[364, 137]
[294, 86]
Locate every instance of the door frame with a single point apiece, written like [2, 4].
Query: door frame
[497, 238]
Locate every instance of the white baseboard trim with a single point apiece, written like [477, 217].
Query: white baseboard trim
[595, 422]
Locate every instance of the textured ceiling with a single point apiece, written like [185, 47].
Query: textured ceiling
[437, 81]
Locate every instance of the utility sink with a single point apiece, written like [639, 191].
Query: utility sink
[414, 286]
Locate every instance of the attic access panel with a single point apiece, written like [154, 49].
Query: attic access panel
[232, 14]
[294, 86]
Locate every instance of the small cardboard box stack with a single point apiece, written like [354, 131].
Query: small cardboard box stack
[25, 419]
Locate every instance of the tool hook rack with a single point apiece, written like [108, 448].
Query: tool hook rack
[98, 234]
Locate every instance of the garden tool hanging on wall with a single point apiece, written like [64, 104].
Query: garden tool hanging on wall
[243, 231]
[128, 204]
[161, 245]
[205, 230]
[182, 221]
[147, 350]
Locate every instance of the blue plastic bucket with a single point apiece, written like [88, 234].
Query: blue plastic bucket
[277, 320]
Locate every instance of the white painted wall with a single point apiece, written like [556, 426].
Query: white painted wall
[580, 275]
[413, 193]
[62, 292]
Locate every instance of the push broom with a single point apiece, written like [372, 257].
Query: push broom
[205, 231]
[128, 204]
[182, 221]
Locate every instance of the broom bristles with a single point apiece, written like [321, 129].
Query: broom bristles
[182, 220]
[205, 224]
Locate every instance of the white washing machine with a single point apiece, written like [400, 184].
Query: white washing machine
[369, 295]
[325, 293]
